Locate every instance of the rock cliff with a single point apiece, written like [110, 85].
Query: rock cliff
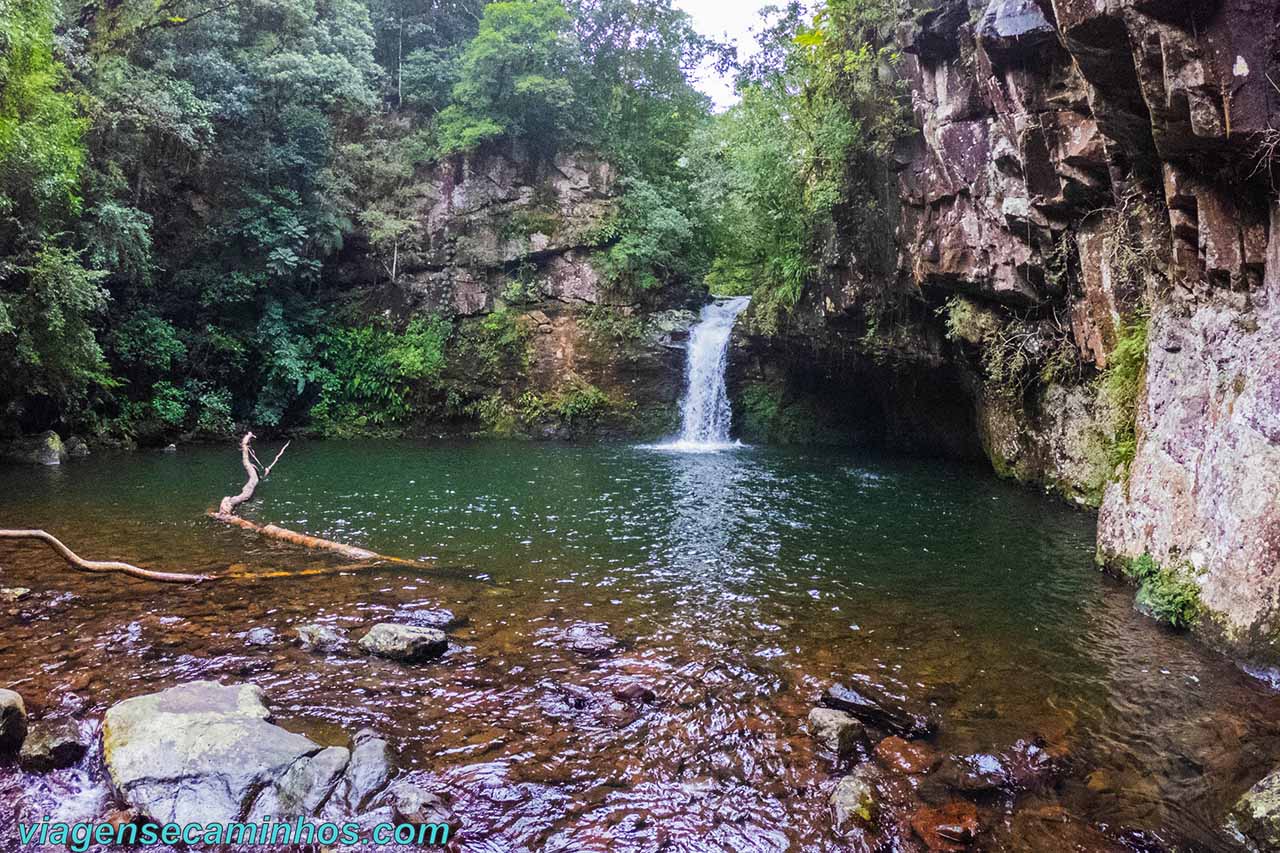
[1086, 280]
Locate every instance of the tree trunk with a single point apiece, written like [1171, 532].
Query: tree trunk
[99, 566]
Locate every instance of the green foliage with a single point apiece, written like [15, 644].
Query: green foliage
[573, 406]
[653, 240]
[370, 375]
[1168, 594]
[513, 78]
[800, 151]
[1122, 384]
[611, 325]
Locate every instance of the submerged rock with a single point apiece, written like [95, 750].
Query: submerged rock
[589, 639]
[411, 804]
[13, 722]
[975, 773]
[903, 756]
[1257, 813]
[879, 712]
[195, 753]
[951, 828]
[434, 617]
[52, 746]
[837, 731]
[260, 637]
[14, 594]
[635, 691]
[320, 638]
[853, 802]
[404, 643]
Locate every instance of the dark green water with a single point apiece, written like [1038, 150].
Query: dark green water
[741, 584]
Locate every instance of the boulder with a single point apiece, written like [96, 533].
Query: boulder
[77, 448]
[404, 643]
[877, 711]
[1257, 813]
[320, 638]
[197, 752]
[853, 802]
[52, 746]
[366, 773]
[13, 722]
[836, 731]
[303, 788]
[44, 449]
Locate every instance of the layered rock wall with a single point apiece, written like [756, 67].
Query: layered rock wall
[1090, 175]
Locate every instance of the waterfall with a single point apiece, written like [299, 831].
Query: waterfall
[706, 402]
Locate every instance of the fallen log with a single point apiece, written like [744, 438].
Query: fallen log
[82, 564]
[226, 512]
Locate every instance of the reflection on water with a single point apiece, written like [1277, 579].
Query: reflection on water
[740, 584]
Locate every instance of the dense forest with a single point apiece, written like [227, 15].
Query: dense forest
[180, 179]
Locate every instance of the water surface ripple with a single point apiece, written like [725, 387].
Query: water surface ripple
[740, 584]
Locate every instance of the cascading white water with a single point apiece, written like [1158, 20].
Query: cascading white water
[706, 402]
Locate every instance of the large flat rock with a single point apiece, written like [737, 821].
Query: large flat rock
[199, 752]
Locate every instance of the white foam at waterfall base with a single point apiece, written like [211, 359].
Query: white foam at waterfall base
[707, 417]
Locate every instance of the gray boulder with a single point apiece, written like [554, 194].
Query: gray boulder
[1257, 813]
[13, 722]
[77, 448]
[837, 731]
[320, 638]
[404, 643]
[366, 774]
[52, 746]
[303, 788]
[195, 753]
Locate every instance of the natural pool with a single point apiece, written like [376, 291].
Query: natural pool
[740, 584]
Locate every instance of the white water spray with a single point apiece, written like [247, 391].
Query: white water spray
[706, 402]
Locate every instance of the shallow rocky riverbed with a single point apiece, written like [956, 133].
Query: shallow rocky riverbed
[635, 646]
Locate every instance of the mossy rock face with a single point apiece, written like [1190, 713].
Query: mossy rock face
[1257, 814]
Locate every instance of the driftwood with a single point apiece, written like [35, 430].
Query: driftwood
[96, 565]
[227, 512]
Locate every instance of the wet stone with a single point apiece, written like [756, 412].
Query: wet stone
[366, 773]
[635, 692]
[260, 637]
[1257, 813]
[52, 746]
[837, 731]
[975, 773]
[412, 804]
[434, 617]
[320, 638]
[13, 722]
[853, 802]
[404, 643]
[13, 594]
[950, 829]
[877, 711]
[589, 639]
[903, 756]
